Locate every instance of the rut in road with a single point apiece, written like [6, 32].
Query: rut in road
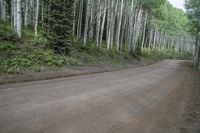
[143, 99]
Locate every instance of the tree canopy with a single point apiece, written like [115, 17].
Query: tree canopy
[193, 11]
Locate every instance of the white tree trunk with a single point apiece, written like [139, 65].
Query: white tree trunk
[36, 18]
[144, 27]
[130, 28]
[87, 22]
[113, 18]
[26, 13]
[3, 10]
[18, 18]
[150, 39]
[103, 24]
[119, 25]
[154, 39]
[80, 17]
[14, 12]
[98, 22]
[108, 28]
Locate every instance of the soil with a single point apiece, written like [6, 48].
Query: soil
[53, 73]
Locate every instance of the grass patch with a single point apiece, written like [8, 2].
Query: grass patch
[189, 65]
[165, 54]
[7, 33]
[18, 58]
[93, 56]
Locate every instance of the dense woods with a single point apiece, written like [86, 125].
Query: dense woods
[193, 11]
[121, 25]
[124, 25]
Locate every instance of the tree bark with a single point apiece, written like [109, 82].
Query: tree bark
[36, 18]
[18, 18]
[87, 22]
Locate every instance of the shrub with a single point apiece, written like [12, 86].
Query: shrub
[47, 57]
[16, 65]
[7, 47]
[7, 33]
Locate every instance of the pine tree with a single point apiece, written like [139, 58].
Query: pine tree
[58, 22]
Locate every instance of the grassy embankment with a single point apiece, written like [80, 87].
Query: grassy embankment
[18, 56]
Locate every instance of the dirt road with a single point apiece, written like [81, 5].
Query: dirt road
[150, 99]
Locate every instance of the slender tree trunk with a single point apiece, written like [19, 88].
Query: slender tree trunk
[80, 17]
[103, 24]
[3, 10]
[92, 20]
[26, 13]
[154, 40]
[119, 25]
[86, 22]
[150, 40]
[124, 31]
[98, 23]
[18, 18]
[108, 28]
[74, 16]
[36, 18]
[144, 31]
[14, 14]
[113, 21]
[130, 29]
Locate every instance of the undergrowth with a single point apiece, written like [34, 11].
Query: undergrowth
[31, 53]
[17, 58]
[158, 55]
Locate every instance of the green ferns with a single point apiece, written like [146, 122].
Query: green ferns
[19, 58]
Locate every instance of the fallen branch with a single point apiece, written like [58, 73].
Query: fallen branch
[64, 56]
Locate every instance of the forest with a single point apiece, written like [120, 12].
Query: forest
[99, 66]
[39, 33]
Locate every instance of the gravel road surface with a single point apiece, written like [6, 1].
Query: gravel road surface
[149, 99]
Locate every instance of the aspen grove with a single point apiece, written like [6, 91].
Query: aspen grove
[123, 25]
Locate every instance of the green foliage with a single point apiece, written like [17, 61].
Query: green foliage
[152, 4]
[58, 22]
[164, 54]
[189, 64]
[138, 51]
[16, 58]
[29, 36]
[7, 33]
[90, 55]
[73, 61]
[170, 19]
[16, 64]
[193, 11]
[46, 57]
[7, 47]
[27, 33]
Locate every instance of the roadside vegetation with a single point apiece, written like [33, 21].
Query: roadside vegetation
[32, 38]
[18, 58]
[157, 55]
[193, 12]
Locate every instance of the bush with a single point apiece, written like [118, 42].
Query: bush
[7, 47]
[7, 33]
[16, 65]
[47, 57]
[17, 58]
